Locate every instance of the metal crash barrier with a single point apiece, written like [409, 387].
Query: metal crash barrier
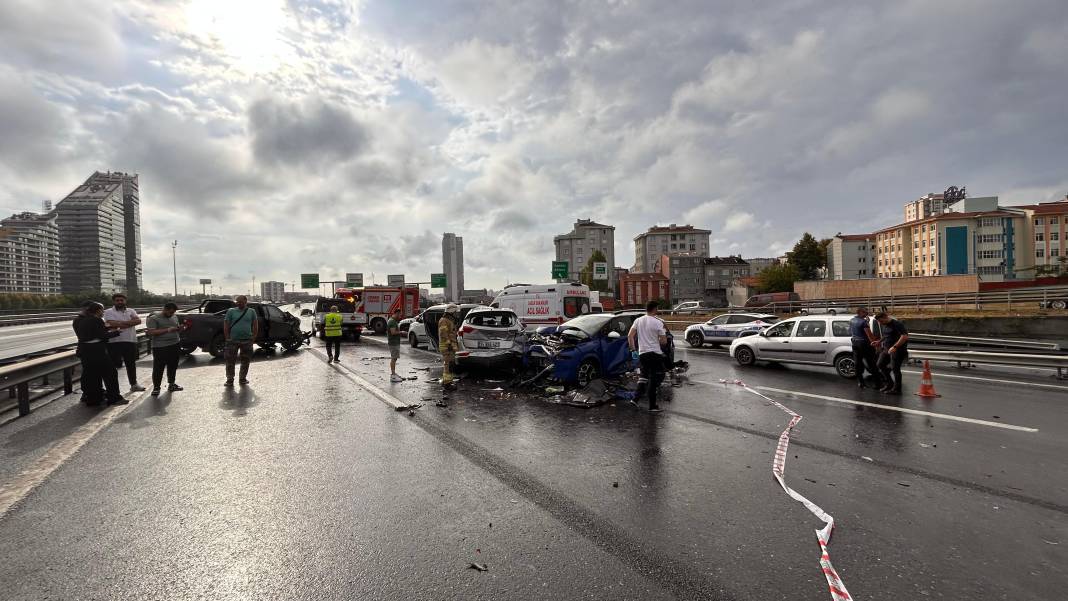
[1058, 362]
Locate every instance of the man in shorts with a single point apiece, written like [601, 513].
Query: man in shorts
[394, 339]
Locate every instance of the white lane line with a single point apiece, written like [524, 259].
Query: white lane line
[30, 478]
[955, 418]
[382, 395]
[414, 348]
[997, 380]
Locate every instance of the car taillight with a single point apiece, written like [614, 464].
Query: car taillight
[466, 330]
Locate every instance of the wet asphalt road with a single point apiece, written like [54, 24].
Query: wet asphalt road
[304, 485]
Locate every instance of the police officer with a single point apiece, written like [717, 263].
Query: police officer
[864, 343]
[447, 344]
[332, 333]
[97, 366]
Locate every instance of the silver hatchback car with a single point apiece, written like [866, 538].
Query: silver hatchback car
[809, 340]
[490, 337]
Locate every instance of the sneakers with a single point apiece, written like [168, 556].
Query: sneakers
[175, 388]
[329, 358]
[242, 381]
[136, 388]
[395, 378]
[155, 392]
[120, 401]
[229, 383]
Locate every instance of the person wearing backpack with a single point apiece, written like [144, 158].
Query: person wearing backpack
[241, 327]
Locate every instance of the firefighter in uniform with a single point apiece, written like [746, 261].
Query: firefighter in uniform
[447, 343]
[332, 332]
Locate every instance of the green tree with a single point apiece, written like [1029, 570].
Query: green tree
[778, 278]
[808, 257]
[586, 275]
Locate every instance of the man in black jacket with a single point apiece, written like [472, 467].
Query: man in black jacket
[97, 366]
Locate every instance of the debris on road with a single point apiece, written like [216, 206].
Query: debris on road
[481, 567]
[615, 485]
[866, 458]
[905, 484]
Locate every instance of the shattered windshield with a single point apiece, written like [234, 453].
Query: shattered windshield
[590, 324]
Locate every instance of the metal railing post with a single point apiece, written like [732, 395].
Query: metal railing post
[68, 380]
[24, 398]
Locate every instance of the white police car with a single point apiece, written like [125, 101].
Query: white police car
[723, 329]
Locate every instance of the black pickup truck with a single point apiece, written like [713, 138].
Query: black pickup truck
[203, 327]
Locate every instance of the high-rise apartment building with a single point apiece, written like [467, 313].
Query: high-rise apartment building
[924, 207]
[452, 258]
[577, 246]
[273, 291]
[29, 254]
[673, 240]
[851, 257]
[100, 230]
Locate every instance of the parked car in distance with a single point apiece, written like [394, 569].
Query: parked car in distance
[828, 309]
[490, 337]
[723, 329]
[777, 302]
[692, 307]
[809, 340]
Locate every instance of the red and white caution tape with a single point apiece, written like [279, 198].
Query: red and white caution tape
[778, 468]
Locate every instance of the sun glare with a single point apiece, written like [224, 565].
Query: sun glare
[248, 31]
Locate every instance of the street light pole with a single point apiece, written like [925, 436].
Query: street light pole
[174, 263]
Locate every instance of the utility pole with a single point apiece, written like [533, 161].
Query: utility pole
[252, 291]
[174, 263]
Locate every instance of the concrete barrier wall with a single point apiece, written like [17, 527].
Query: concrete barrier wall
[947, 284]
[1009, 328]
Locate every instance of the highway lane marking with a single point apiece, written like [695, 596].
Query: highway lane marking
[382, 395]
[30, 478]
[997, 380]
[833, 399]
[414, 348]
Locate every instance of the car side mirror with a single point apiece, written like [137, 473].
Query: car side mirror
[764, 333]
[614, 335]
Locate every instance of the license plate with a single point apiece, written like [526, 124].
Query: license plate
[489, 344]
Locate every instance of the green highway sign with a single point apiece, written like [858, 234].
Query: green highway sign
[560, 271]
[309, 280]
[600, 271]
[437, 280]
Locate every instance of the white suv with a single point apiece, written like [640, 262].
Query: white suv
[489, 337]
[811, 340]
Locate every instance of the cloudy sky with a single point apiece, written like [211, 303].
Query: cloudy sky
[274, 138]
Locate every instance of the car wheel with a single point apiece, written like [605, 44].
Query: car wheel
[379, 326]
[588, 371]
[413, 340]
[846, 365]
[833, 312]
[218, 346]
[293, 343]
[744, 356]
[1059, 304]
[804, 311]
[695, 339]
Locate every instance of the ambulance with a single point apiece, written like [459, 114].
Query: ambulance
[545, 304]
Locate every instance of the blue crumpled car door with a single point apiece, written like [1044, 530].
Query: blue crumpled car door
[615, 356]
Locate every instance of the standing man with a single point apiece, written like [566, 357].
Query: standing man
[447, 345]
[332, 334]
[394, 339]
[240, 330]
[123, 348]
[163, 329]
[97, 366]
[647, 338]
[895, 351]
[864, 343]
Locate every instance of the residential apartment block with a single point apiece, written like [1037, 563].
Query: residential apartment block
[29, 254]
[452, 258]
[577, 246]
[273, 291]
[701, 278]
[1046, 227]
[851, 257]
[673, 240]
[924, 207]
[100, 233]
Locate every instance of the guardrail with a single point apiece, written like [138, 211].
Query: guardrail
[1058, 362]
[18, 377]
[969, 341]
[1053, 297]
[17, 319]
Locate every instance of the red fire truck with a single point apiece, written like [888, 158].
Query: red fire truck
[378, 302]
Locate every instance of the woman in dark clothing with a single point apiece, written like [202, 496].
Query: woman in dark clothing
[92, 350]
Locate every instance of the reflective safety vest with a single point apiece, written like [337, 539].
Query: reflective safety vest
[332, 324]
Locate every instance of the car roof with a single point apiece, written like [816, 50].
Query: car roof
[484, 308]
[756, 315]
[442, 306]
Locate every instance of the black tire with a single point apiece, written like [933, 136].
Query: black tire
[846, 365]
[588, 371]
[804, 311]
[379, 326]
[1059, 304]
[293, 343]
[413, 340]
[217, 347]
[744, 356]
[832, 312]
[695, 339]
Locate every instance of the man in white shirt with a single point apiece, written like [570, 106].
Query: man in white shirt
[123, 348]
[647, 338]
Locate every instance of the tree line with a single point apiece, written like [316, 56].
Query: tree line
[804, 262]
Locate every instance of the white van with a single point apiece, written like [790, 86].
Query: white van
[545, 304]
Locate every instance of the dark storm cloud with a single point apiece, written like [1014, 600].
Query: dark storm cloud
[304, 133]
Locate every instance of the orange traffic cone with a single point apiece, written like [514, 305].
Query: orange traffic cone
[927, 389]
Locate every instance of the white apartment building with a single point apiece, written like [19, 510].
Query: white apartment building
[29, 254]
[672, 240]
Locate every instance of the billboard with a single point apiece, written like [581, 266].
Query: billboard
[204, 281]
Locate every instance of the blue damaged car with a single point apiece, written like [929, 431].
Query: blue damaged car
[585, 348]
